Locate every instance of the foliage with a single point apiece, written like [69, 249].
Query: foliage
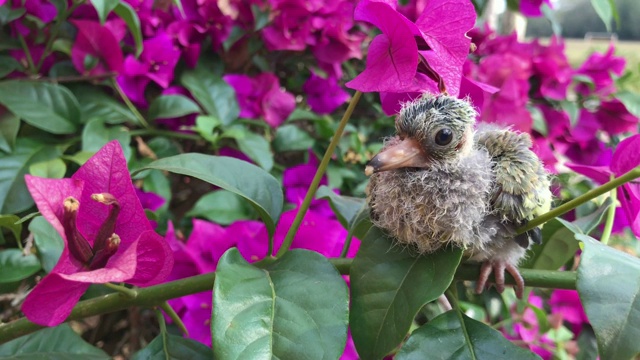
[215, 122]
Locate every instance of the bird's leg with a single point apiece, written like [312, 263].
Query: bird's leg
[498, 267]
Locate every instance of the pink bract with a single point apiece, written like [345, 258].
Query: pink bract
[143, 258]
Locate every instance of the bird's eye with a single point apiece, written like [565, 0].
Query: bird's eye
[444, 137]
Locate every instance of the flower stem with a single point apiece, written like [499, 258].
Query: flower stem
[27, 54]
[611, 215]
[347, 244]
[302, 210]
[130, 293]
[570, 205]
[174, 317]
[129, 104]
[154, 295]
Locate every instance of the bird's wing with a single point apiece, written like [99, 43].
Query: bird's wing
[521, 191]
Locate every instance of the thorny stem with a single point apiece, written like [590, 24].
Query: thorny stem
[611, 215]
[570, 205]
[129, 104]
[153, 296]
[302, 210]
[174, 317]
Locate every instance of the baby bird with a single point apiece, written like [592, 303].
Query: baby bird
[439, 182]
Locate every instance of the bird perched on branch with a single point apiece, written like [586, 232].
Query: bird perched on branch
[440, 182]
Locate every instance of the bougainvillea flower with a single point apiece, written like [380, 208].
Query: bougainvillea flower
[150, 200]
[599, 68]
[566, 303]
[262, 97]
[96, 50]
[290, 30]
[188, 38]
[106, 234]
[552, 68]
[44, 10]
[408, 56]
[296, 181]
[156, 63]
[615, 119]
[625, 158]
[527, 330]
[209, 19]
[324, 95]
[531, 8]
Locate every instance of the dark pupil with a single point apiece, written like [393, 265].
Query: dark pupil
[444, 137]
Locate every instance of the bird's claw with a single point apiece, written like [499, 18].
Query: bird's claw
[498, 268]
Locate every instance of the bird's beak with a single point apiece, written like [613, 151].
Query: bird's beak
[406, 153]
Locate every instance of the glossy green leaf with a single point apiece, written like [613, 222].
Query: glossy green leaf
[48, 242]
[604, 11]
[257, 148]
[240, 177]
[214, 94]
[128, 14]
[558, 243]
[14, 196]
[9, 222]
[95, 103]
[15, 266]
[104, 8]
[173, 347]
[453, 335]
[587, 344]
[57, 343]
[389, 284]
[9, 126]
[346, 208]
[609, 287]
[172, 106]
[222, 207]
[47, 106]
[8, 64]
[294, 308]
[291, 138]
[97, 134]
[52, 169]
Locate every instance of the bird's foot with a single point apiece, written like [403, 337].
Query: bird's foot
[499, 268]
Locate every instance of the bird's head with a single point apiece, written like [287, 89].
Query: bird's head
[433, 130]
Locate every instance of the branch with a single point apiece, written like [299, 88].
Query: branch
[156, 295]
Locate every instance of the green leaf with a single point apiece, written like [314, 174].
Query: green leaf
[217, 98]
[95, 103]
[173, 347]
[389, 285]
[257, 148]
[57, 343]
[14, 197]
[587, 344]
[8, 64]
[261, 16]
[48, 242]
[603, 9]
[222, 207]
[539, 124]
[630, 100]
[456, 336]
[47, 106]
[15, 266]
[104, 8]
[9, 222]
[240, 177]
[572, 109]
[97, 134]
[172, 106]
[291, 138]
[9, 126]
[346, 208]
[609, 287]
[52, 169]
[126, 13]
[294, 308]
[80, 157]
[558, 244]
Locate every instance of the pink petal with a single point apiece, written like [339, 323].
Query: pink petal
[106, 172]
[154, 260]
[52, 300]
[444, 24]
[626, 156]
[99, 42]
[393, 55]
[600, 174]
